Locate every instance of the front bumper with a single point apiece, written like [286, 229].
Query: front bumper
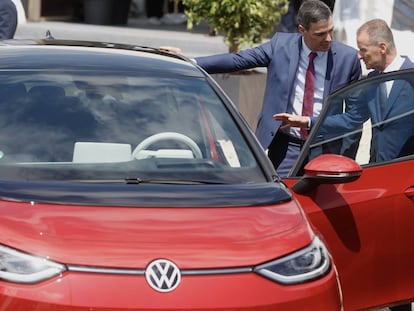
[77, 291]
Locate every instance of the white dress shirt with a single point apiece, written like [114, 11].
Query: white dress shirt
[296, 101]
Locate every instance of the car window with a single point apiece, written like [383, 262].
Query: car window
[358, 122]
[113, 126]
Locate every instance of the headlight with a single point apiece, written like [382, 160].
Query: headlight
[19, 267]
[304, 265]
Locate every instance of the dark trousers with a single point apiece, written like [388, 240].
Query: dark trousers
[171, 7]
[283, 152]
[154, 8]
[406, 307]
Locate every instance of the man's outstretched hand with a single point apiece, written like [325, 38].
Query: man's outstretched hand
[291, 120]
[171, 49]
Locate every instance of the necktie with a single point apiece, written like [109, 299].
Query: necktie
[307, 108]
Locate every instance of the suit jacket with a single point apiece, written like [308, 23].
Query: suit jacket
[389, 137]
[281, 57]
[8, 19]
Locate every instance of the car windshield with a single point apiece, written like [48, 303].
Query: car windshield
[114, 126]
[371, 121]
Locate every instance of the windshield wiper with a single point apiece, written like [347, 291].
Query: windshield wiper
[137, 181]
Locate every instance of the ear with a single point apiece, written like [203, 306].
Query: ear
[301, 29]
[383, 47]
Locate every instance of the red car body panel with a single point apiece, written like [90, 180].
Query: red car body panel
[210, 292]
[207, 239]
[228, 238]
[368, 228]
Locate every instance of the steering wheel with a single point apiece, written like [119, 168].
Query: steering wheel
[168, 136]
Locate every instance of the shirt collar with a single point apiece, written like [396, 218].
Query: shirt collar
[395, 65]
[307, 50]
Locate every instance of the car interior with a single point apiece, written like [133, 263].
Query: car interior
[79, 119]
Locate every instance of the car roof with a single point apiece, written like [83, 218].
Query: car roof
[86, 55]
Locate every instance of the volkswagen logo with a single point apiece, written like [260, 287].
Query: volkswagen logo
[163, 275]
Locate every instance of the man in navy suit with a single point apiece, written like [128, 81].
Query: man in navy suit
[8, 19]
[286, 57]
[377, 50]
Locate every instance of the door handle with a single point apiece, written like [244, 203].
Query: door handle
[410, 193]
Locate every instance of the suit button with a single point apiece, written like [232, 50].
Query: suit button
[272, 133]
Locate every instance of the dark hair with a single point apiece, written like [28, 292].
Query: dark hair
[313, 11]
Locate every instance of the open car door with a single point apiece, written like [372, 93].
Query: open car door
[362, 201]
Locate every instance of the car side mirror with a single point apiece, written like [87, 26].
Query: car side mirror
[327, 169]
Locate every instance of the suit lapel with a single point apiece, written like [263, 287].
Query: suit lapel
[395, 90]
[374, 104]
[330, 68]
[375, 108]
[295, 47]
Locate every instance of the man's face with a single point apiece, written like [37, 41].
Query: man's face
[372, 54]
[319, 35]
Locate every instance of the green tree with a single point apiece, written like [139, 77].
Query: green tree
[241, 22]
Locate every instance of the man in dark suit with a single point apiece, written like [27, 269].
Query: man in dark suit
[286, 57]
[377, 50]
[8, 19]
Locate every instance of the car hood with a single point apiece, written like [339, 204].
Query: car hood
[131, 237]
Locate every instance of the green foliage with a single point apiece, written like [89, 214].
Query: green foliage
[241, 22]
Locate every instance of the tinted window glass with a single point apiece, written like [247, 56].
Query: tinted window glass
[371, 121]
[106, 125]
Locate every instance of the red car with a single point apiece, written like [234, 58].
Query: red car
[367, 223]
[129, 181]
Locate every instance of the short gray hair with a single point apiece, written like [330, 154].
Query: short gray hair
[378, 30]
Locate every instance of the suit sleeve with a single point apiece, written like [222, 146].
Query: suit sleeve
[8, 20]
[259, 56]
